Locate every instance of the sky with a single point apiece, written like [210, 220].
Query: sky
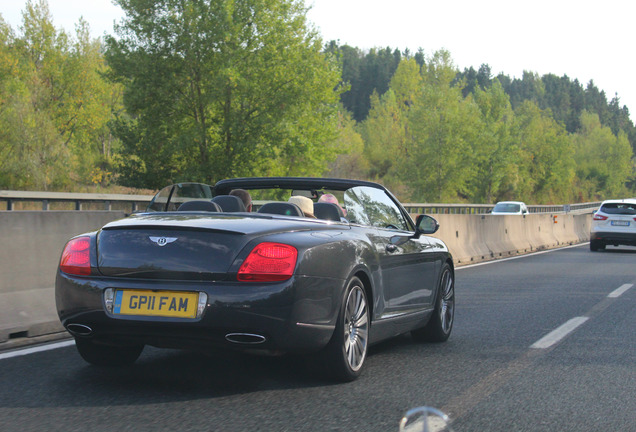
[586, 40]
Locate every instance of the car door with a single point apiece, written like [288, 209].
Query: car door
[407, 264]
[410, 270]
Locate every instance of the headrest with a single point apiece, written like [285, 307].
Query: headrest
[230, 203]
[199, 205]
[328, 211]
[281, 208]
[330, 198]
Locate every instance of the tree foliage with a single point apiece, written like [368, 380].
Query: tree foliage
[431, 140]
[54, 105]
[546, 168]
[496, 150]
[520, 145]
[566, 99]
[220, 89]
[196, 90]
[351, 161]
[603, 160]
[366, 73]
[443, 127]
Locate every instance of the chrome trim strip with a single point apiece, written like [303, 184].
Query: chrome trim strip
[258, 339]
[316, 326]
[394, 315]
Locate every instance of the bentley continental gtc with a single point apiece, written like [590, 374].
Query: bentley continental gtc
[319, 267]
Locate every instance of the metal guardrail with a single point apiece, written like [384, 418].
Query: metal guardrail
[134, 202]
[447, 208]
[139, 202]
[487, 208]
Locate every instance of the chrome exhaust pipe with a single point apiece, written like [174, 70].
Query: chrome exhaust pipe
[79, 329]
[245, 338]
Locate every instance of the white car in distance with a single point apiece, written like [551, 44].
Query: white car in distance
[510, 208]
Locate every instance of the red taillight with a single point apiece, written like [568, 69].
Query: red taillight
[76, 258]
[269, 262]
[599, 217]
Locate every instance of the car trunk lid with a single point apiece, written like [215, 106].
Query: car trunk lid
[178, 246]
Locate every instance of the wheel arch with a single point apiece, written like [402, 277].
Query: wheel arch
[367, 286]
[449, 261]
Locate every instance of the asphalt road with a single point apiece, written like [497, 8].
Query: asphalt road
[503, 369]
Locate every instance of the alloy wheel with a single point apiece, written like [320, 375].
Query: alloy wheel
[356, 328]
[447, 304]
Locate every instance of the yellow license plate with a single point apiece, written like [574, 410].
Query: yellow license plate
[176, 304]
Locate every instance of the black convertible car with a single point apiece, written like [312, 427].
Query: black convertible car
[197, 270]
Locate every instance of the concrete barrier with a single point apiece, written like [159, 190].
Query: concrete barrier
[477, 238]
[33, 242]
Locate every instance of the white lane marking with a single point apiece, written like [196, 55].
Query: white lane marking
[559, 333]
[495, 261]
[620, 290]
[40, 348]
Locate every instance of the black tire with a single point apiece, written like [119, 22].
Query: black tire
[439, 327]
[345, 354]
[108, 355]
[596, 245]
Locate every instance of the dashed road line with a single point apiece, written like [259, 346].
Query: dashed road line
[559, 333]
[620, 290]
[27, 351]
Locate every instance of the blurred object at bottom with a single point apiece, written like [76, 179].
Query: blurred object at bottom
[425, 419]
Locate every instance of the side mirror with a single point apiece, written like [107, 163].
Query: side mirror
[426, 225]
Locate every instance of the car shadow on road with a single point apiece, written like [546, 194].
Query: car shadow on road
[60, 378]
[161, 376]
[171, 373]
[619, 250]
[164, 375]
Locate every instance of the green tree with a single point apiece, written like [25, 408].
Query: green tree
[8, 94]
[351, 161]
[32, 150]
[366, 72]
[603, 160]
[619, 121]
[529, 87]
[54, 105]
[437, 163]
[495, 150]
[224, 88]
[546, 164]
[406, 83]
[385, 131]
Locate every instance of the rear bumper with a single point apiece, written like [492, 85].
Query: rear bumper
[616, 238]
[293, 316]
